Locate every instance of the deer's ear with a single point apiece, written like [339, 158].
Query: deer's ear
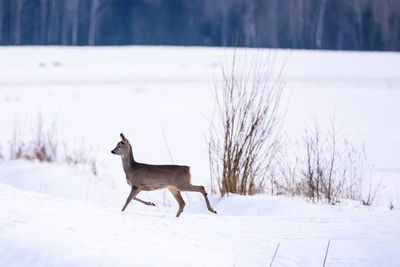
[123, 138]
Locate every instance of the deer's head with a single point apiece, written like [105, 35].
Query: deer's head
[123, 147]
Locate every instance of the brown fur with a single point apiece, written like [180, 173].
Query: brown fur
[147, 177]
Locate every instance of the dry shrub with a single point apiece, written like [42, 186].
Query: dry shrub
[244, 136]
[81, 153]
[325, 169]
[329, 172]
[43, 145]
[245, 146]
[368, 198]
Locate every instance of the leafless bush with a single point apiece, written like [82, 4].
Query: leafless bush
[329, 172]
[326, 169]
[286, 181]
[80, 154]
[43, 144]
[16, 145]
[369, 197]
[244, 137]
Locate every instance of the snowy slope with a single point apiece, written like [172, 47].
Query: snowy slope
[63, 215]
[41, 230]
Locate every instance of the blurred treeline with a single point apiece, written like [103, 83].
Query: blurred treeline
[320, 24]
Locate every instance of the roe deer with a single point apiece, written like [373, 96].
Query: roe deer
[146, 177]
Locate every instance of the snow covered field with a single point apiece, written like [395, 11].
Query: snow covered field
[61, 215]
[39, 230]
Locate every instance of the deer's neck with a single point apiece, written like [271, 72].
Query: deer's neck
[128, 162]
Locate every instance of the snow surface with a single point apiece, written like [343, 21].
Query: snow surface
[42, 230]
[62, 215]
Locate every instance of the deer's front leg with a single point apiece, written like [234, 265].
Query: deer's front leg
[134, 192]
[148, 203]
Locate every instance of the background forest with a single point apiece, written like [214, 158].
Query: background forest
[310, 24]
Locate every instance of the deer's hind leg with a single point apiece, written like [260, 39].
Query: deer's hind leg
[177, 195]
[201, 189]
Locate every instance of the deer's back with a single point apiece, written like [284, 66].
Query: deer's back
[152, 177]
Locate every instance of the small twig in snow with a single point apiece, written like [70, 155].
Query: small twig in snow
[276, 250]
[326, 252]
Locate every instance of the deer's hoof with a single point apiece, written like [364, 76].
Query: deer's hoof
[215, 212]
[153, 204]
